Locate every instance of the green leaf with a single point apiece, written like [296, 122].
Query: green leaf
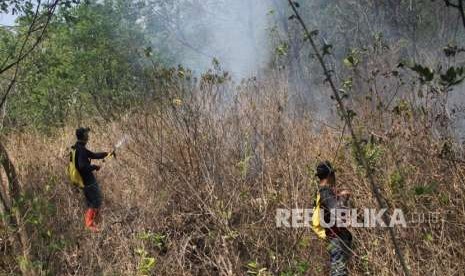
[312, 33]
[347, 83]
[351, 114]
[351, 61]
[282, 49]
[426, 74]
[252, 264]
[428, 237]
[453, 76]
[148, 51]
[425, 190]
[303, 267]
[326, 49]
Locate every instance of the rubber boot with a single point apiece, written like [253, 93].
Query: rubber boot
[91, 213]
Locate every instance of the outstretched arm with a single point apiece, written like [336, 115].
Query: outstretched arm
[96, 155]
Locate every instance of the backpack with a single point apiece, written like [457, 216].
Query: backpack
[73, 172]
[316, 218]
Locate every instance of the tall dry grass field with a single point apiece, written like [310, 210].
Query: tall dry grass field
[196, 188]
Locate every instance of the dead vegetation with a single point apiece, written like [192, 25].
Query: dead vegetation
[195, 192]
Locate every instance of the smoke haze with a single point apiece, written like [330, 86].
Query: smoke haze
[235, 32]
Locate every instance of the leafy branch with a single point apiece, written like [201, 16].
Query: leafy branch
[23, 53]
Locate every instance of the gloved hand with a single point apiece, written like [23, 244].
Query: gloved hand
[109, 154]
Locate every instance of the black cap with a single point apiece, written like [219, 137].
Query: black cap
[324, 170]
[81, 133]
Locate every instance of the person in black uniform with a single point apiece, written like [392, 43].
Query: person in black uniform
[91, 188]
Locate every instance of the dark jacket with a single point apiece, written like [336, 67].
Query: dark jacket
[83, 162]
[329, 204]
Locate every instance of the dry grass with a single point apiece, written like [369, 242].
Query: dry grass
[197, 188]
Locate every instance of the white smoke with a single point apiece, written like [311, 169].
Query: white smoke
[236, 33]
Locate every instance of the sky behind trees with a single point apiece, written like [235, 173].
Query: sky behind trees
[7, 19]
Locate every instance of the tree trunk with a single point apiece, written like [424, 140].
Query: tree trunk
[22, 247]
